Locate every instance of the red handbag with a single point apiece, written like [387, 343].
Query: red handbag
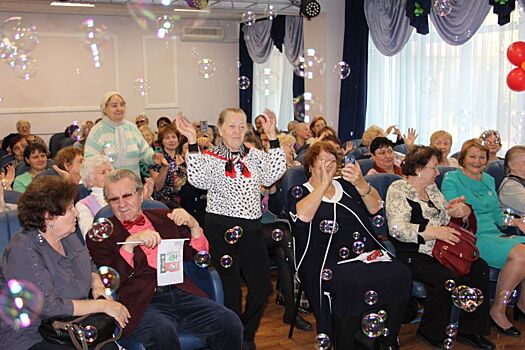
[459, 257]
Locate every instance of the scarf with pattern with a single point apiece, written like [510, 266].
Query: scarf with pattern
[232, 159]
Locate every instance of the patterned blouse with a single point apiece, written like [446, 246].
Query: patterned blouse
[235, 192]
[403, 208]
[170, 191]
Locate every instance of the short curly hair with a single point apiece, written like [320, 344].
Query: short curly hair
[49, 195]
[418, 157]
[313, 152]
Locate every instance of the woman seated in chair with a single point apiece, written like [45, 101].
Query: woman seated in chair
[35, 156]
[331, 224]
[382, 150]
[511, 192]
[442, 141]
[418, 215]
[500, 251]
[47, 254]
[491, 139]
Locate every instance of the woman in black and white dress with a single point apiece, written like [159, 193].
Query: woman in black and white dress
[233, 174]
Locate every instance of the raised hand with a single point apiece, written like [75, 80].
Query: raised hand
[353, 174]
[158, 159]
[147, 189]
[269, 123]
[186, 128]
[8, 177]
[410, 136]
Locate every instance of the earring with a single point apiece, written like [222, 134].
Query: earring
[418, 174]
[50, 225]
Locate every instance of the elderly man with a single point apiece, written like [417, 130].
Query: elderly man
[24, 129]
[157, 313]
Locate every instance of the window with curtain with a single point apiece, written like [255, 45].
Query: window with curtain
[431, 85]
[272, 88]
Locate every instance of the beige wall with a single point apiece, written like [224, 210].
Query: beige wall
[67, 87]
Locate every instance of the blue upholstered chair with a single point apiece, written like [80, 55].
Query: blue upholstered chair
[54, 143]
[403, 148]
[9, 225]
[366, 165]
[11, 196]
[206, 279]
[292, 177]
[442, 171]
[497, 171]
[358, 152]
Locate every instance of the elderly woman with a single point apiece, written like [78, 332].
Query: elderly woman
[121, 134]
[35, 155]
[492, 140]
[418, 215]
[48, 255]
[382, 150]
[500, 251]
[171, 175]
[233, 174]
[331, 224]
[70, 160]
[442, 141]
[511, 191]
[17, 145]
[94, 171]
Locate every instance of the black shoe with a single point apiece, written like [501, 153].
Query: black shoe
[434, 343]
[279, 300]
[477, 341]
[518, 313]
[300, 323]
[248, 345]
[512, 331]
[305, 310]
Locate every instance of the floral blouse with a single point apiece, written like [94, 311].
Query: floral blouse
[408, 216]
[171, 188]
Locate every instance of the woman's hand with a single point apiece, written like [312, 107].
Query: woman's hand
[410, 136]
[204, 142]
[147, 189]
[186, 128]
[158, 159]
[443, 233]
[352, 173]
[8, 178]
[269, 123]
[63, 174]
[458, 209]
[116, 310]
[326, 175]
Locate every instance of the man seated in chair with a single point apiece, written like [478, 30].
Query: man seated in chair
[158, 313]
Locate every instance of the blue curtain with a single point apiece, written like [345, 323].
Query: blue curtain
[352, 105]
[246, 69]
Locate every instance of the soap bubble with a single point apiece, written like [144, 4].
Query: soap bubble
[322, 342]
[197, 4]
[277, 234]
[206, 68]
[110, 278]
[19, 34]
[226, 261]
[382, 314]
[373, 325]
[448, 344]
[248, 18]
[270, 12]
[306, 107]
[230, 236]
[452, 330]
[442, 7]
[371, 297]
[358, 247]
[310, 65]
[90, 333]
[268, 82]
[238, 231]
[110, 151]
[326, 274]
[165, 25]
[101, 229]
[378, 221]
[356, 235]
[21, 303]
[344, 252]
[328, 226]
[94, 34]
[394, 231]
[142, 11]
[202, 259]
[297, 191]
[450, 285]
[386, 332]
[466, 298]
[243, 82]
[342, 70]
[141, 87]
[25, 66]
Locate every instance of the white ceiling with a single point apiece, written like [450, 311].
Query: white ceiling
[219, 9]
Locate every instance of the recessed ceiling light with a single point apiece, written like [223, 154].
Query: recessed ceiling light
[70, 4]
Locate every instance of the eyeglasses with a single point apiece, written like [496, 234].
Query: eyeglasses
[126, 197]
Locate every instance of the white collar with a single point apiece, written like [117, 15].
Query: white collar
[338, 192]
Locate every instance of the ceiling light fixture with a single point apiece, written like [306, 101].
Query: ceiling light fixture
[70, 4]
[310, 8]
[192, 10]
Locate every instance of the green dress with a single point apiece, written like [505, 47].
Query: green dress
[483, 198]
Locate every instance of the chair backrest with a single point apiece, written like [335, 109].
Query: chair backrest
[54, 143]
[11, 196]
[455, 155]
[442, 171]
[366, 165]
[381, 182]
[497, 171]
[403, 148]
[106, 211]
[82, 192]
[358, 152]
[6, 160]
[292, 177]
[356, 143]
[204, 279]
[9, 225]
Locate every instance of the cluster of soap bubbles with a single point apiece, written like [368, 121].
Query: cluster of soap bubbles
[21, 303]
[17, 39]
[101, 229]
[306, 107]
[96, 36]
[141, 86]
[442, 7]
[373, 324]
[110, 279]
[232, 235]
[508, 296]
[451, 331]
[467, 298]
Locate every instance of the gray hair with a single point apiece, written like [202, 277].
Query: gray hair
[20, 122]
[89, 165]
[119, 174]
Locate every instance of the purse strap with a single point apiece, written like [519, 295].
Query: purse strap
[76, 333]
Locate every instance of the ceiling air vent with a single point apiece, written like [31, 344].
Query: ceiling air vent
[202, 34]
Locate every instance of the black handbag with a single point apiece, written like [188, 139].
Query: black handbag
[91, 331]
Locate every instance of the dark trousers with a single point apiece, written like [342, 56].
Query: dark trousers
[45, 345]
[202, 317]
[438, 303]
[250, 262]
